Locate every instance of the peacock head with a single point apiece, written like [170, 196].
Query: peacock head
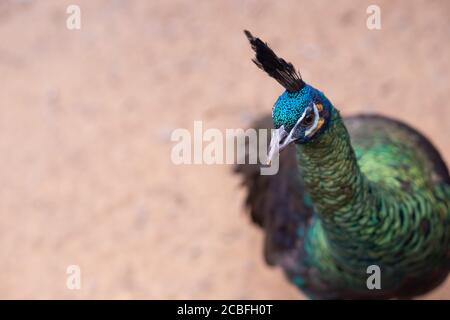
[302, 113]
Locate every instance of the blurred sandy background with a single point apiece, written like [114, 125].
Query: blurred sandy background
[86, 118]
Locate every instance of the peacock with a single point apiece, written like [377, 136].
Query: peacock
[350, 193]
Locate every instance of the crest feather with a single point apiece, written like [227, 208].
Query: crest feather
[279, 69]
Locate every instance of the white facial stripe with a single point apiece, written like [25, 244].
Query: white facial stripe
[316, 121]
[289, 137]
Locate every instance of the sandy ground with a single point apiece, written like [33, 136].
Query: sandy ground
[86, 118]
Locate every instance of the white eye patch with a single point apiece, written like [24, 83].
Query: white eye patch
[315, 123]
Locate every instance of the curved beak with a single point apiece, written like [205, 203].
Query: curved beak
[277, 143]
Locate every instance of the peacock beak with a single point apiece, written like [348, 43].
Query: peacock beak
[277, 143]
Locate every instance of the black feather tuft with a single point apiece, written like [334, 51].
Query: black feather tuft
[282, 71]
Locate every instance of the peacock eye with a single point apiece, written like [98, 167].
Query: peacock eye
[308, 120]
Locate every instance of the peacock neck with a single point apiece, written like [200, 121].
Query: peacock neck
[339, 190]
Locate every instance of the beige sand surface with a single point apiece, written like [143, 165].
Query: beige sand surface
[86, 118]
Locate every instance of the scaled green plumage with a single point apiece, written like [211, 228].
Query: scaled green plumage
[361, 191]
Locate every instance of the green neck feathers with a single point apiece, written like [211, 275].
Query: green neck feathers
[343, 197]
[331, 173]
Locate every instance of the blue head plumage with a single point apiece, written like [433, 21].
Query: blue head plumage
[291, 106]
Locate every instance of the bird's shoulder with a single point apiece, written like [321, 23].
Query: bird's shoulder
[391, 152]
